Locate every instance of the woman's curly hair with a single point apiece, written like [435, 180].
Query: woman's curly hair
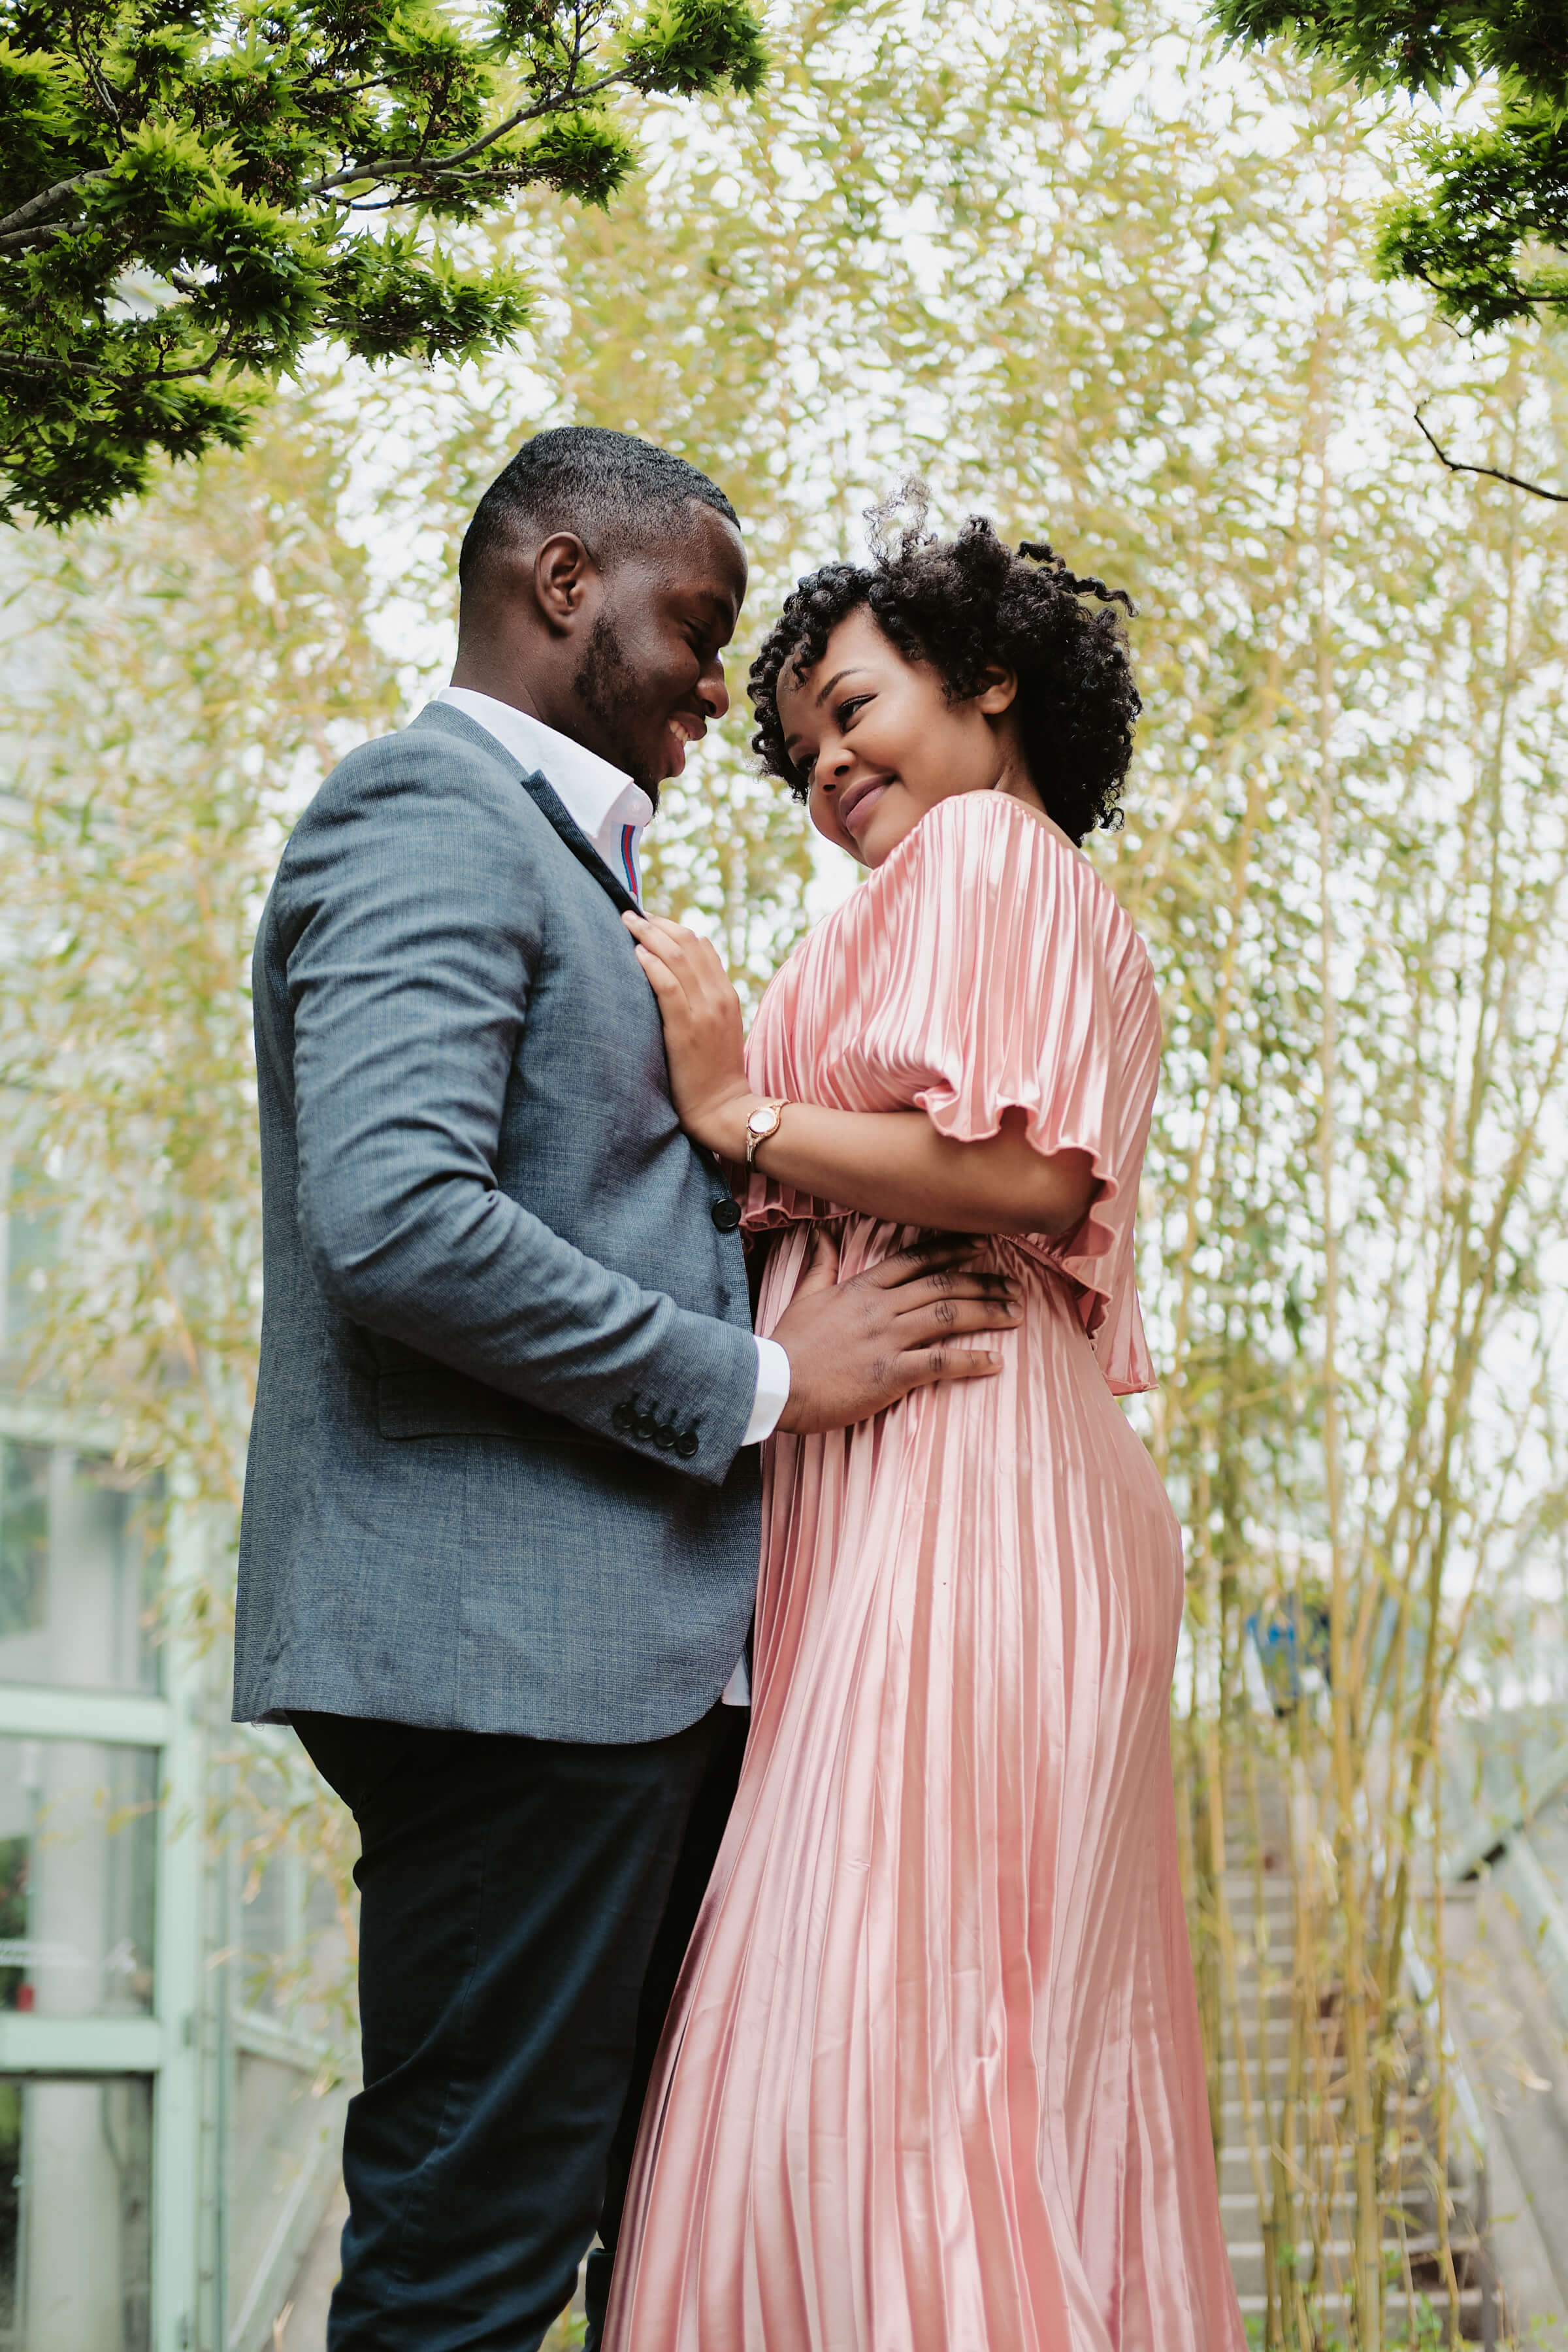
[965, 604]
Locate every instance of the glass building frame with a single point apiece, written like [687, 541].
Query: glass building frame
[170, 2097]
[174, 2126]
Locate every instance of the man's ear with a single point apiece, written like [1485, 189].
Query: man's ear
[563, 572]
[999, 692]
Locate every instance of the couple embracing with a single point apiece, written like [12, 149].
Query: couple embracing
[815, 1939]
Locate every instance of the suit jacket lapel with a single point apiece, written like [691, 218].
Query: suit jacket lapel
[540, 791]
[547, 802]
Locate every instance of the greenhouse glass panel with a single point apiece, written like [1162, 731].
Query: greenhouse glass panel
[76, 2186]
[78, 1571]
[78, 1835]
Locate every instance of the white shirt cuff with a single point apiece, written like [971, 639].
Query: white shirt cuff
[773, 1391]
[772, 1395]
[737, 1691]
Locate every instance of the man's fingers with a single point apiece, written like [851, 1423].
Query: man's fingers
[930, 1254]
[947, 1318]
[821, 1267]
[963, 1282]
[924, 1365]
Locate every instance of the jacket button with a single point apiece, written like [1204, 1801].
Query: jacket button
[685, 1444]
[726, 1215]
[664, 1436]
[624, 1418]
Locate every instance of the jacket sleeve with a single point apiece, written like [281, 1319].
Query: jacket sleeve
[410, 926]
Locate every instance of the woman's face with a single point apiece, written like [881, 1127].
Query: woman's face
[880, 742]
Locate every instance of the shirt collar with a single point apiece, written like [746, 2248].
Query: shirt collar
[602, 802]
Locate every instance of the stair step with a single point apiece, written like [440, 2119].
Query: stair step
[1341, 2251]
[1258, 1895]
[1337, 2305]
[1272, 2079]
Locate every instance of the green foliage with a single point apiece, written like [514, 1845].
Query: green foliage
[176, 687]
[1417, 47]
[1487, 233]
[1494, 197]
[192, 191]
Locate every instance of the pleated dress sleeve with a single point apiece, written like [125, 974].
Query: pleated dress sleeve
[1015, 983]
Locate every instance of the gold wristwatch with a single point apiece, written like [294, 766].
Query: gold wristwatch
[762, 1122]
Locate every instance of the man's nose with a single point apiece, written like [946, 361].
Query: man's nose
[712, 690]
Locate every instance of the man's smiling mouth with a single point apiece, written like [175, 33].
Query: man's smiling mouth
[685, 729]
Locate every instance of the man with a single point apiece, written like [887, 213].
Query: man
[502, 1530]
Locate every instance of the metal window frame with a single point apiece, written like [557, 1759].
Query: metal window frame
[164, 2047]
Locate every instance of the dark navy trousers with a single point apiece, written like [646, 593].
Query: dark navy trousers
[525, 1905]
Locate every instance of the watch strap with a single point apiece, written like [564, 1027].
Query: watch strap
[763, 1135]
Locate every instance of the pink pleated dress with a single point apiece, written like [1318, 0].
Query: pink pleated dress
[933, 2079]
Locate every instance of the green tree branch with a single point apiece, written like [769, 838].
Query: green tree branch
[1495, 473]
[1494, 200]
[214, 162]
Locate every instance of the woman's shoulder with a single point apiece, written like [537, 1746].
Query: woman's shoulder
[989, 845]
[985, 830]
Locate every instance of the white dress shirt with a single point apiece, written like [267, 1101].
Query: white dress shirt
[612, 812]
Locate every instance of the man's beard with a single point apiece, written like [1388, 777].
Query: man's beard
[607, 690]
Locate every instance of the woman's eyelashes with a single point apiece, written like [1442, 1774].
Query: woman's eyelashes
[844, 715]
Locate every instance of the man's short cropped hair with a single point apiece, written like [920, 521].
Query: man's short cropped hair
[615, 492]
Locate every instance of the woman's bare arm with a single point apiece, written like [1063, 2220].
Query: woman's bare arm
[894, 1164]
[890, 1164]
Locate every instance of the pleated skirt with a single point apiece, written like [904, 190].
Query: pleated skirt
[933, 2081]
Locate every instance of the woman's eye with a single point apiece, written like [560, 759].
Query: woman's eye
[848, 710]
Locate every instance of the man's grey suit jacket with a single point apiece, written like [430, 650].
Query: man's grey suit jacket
[496, 1480]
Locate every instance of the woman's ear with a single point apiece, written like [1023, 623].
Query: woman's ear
[999, 692]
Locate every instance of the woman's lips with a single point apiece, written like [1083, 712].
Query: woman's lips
[858, 802]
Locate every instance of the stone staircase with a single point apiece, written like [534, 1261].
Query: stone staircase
[1261, 1902]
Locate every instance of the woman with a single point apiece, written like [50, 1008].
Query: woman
[933, 2079]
